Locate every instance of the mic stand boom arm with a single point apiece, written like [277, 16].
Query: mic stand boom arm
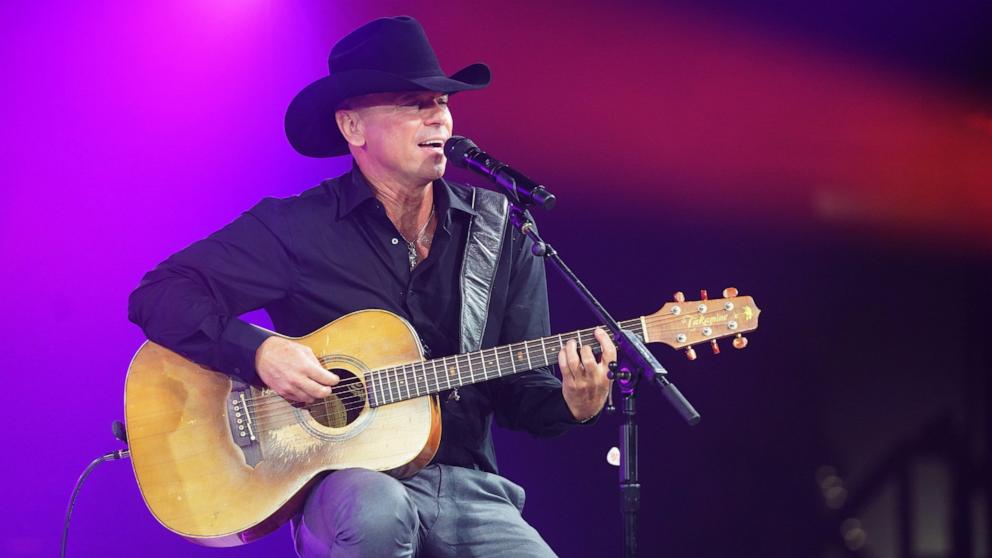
[635, 362]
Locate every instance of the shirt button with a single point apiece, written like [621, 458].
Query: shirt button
[396, 240]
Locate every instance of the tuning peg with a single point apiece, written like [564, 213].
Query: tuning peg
[679, 296]
[690, 353]
[714, 346]
[703, 295]
[729, 292]
[740, 341]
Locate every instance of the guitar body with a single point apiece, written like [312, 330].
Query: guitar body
[201, 478]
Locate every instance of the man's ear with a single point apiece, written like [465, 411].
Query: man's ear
[350, 124]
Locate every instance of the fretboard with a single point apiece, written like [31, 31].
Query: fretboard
[399, 383]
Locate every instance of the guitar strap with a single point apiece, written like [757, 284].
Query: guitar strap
[482, 252]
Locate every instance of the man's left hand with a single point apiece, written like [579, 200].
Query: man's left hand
[584, 381]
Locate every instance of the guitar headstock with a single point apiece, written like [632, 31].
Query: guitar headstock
[684, 323]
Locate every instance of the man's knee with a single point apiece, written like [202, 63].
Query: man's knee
[356, 504]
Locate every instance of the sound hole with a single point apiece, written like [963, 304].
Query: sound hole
[345, 403]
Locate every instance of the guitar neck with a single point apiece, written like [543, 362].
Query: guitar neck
[417, 379]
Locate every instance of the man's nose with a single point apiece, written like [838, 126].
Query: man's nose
[436, 113]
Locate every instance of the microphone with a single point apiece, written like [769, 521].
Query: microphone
[462, 152]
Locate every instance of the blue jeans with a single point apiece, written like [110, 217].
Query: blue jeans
[442, 511]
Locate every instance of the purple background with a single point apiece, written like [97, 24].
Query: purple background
[832, 159]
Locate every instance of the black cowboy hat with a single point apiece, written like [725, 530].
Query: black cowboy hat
[387, 54]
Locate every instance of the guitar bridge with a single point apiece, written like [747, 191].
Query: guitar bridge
[240, 410]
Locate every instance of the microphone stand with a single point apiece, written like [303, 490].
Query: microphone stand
[635, 363]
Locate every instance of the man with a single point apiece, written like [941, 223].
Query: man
[391, 234]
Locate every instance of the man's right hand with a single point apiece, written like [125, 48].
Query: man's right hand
[292, 370]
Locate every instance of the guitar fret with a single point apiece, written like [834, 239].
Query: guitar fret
[471, 368]
[389, 384]
[369, 390]
[499, 372]
[448, 371]
[373, 383]
[527, 352]
[434, 367]
[544, 352]
[516, 357]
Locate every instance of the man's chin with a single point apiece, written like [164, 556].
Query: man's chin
[436, 170]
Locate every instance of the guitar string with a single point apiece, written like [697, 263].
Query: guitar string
[473, 358]
[419, 370]
[354, 402]
[282, 415]
[420, 384]
[419, 377]
[420, 380]
[277, 412]
[417, 374]
[414, 375]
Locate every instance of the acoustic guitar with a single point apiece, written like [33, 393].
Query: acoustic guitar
[223, 463]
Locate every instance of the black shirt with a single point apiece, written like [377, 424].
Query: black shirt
[310, 259]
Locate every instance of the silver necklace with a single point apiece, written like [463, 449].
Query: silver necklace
[411, 246]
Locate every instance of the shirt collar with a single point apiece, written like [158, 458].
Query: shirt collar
[355, 191]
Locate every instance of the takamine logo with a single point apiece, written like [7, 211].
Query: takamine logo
[703, 320]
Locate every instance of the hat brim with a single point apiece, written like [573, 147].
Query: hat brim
[310, 124]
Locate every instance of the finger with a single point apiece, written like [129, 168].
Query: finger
[572, 359]
[606, 343]
[588, 360]
[294, 395]
[312, 389]
[316, 371]
[566, 372]
[321, 375]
